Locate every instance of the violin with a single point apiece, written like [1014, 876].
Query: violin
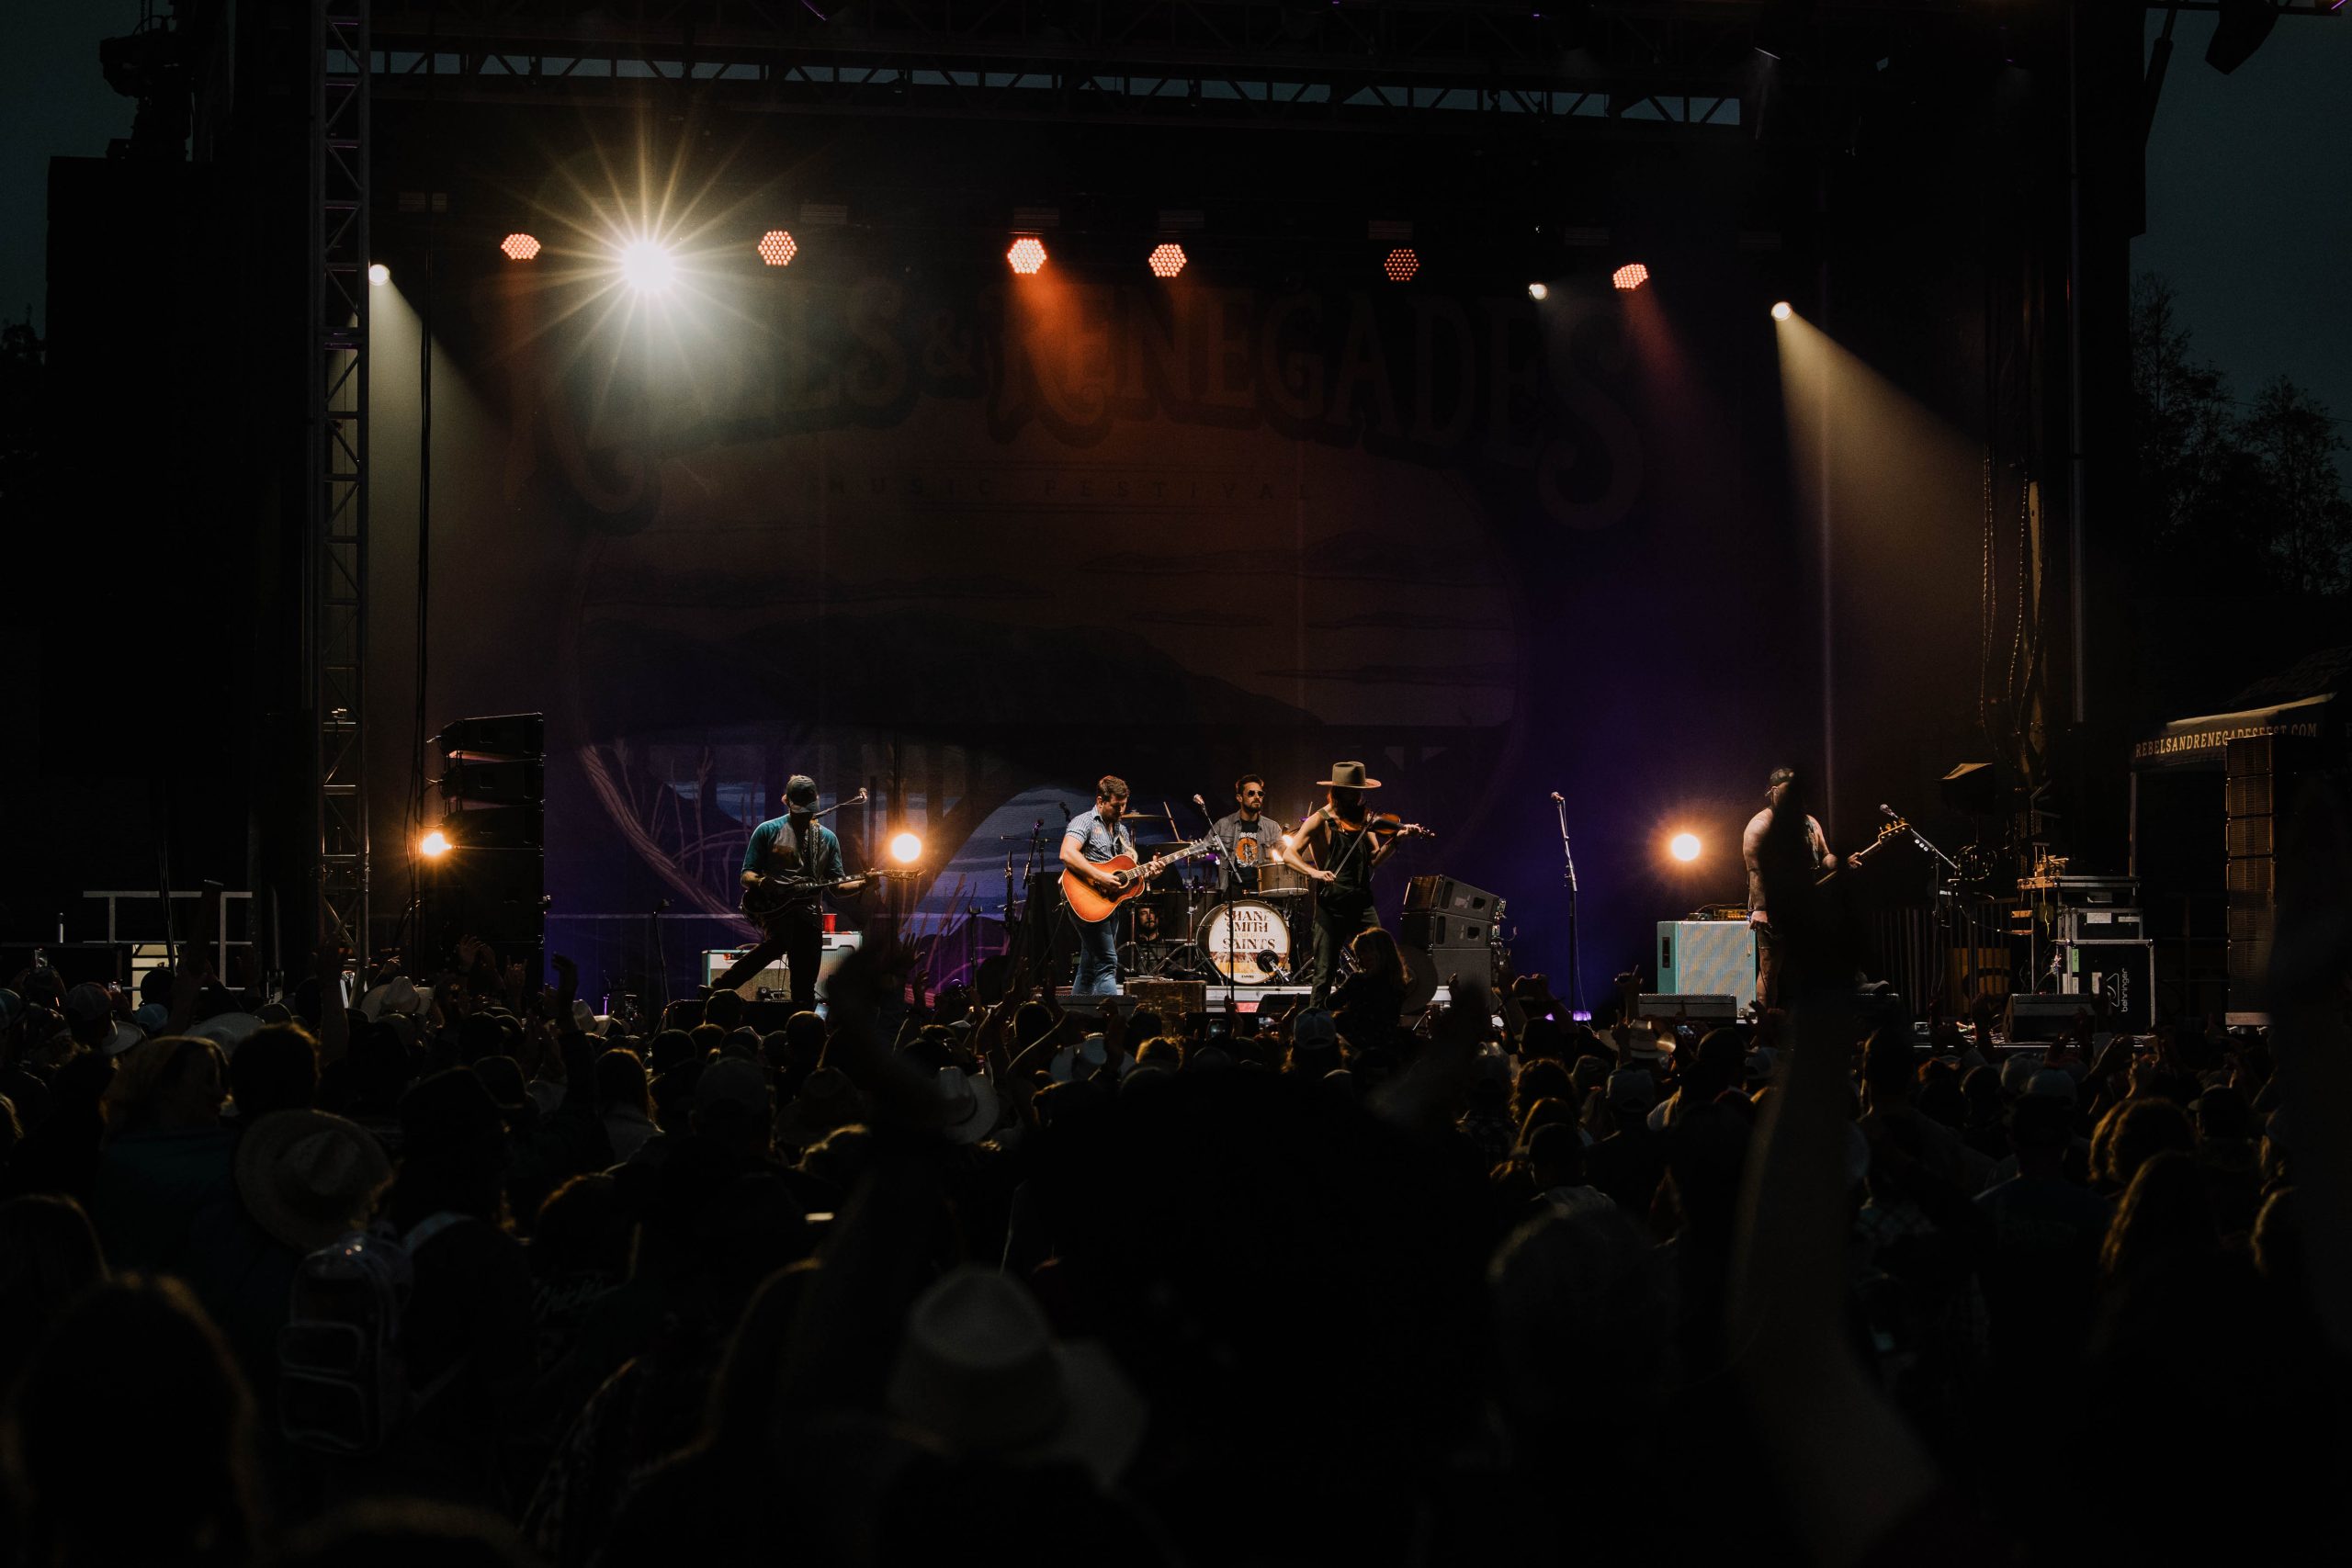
[1379, 824]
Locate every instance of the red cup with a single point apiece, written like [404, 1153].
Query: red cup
[830, 918]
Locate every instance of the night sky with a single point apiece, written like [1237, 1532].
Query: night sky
[2250, 205]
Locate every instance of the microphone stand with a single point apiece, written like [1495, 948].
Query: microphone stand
[1575, 958]
[1228, 880]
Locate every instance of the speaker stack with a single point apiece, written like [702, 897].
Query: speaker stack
[491, 883]
[1453, 922]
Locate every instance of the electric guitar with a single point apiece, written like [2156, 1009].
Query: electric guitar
[1094, 906]
[774, 895]
[1893, 828]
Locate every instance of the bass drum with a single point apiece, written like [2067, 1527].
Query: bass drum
[1246, 942]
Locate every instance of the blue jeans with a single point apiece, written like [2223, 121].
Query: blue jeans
[1098, 958]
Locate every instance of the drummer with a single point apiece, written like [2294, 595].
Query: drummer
[1252, 840]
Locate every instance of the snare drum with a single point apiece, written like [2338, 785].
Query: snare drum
[1281, 878]
[1233, 936]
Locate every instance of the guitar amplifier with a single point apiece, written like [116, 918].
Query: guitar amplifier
[1707, 957]
[777, 976]
[1173, 1000]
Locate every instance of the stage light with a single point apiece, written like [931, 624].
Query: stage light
[519, 247]
[777, 248]
[1401, 265]
[1683, 847]
[380, 274]
[433, 845]
[1629, 276]
[646, 266]
[1780, 312]
[1028, 255]
[1167, 260]
[906, 849]
[1538, 291]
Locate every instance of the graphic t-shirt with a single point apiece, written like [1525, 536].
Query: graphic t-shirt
[1247, 846]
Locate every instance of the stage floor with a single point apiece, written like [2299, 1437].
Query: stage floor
[1240, 999]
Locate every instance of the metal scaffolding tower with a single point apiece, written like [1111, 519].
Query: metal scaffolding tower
[335, 577]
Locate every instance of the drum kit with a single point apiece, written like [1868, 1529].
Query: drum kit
[1195, 932]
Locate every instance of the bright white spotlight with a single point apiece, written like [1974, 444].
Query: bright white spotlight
[1780, 312]
[380, 274]
[1027, 256]
[648, 267]
[433, 845]
[906, 849]
[1683, 847]
[1539, 291]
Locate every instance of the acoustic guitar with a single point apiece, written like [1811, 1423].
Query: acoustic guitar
[1094, 906]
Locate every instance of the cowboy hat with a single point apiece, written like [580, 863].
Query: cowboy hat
[980, 1370]
[967, 1105]
[1348, 775]
[1087, 1055]
[307, 1177]
[400, 994]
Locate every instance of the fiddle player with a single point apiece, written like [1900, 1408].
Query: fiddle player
[1339, 848]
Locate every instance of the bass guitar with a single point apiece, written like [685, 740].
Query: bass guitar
[774, 895]
[1893, 828]
[1093, 905]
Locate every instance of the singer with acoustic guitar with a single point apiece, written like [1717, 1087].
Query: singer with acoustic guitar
[1338, 847]
[792, 861]
[1092, 838]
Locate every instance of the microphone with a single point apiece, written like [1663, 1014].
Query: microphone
[1884, 809]
[1199, 802]
[1558, 797]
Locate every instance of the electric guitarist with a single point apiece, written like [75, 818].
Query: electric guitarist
[1092, 838]
[793, 848]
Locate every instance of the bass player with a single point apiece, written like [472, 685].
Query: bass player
[1091, 838]
[793, 848]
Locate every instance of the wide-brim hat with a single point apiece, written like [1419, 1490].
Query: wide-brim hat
[980, 1370]
[307, 1177]
[968, 1105]
[398, 995]
[1089, 1055]
[1348, 775]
